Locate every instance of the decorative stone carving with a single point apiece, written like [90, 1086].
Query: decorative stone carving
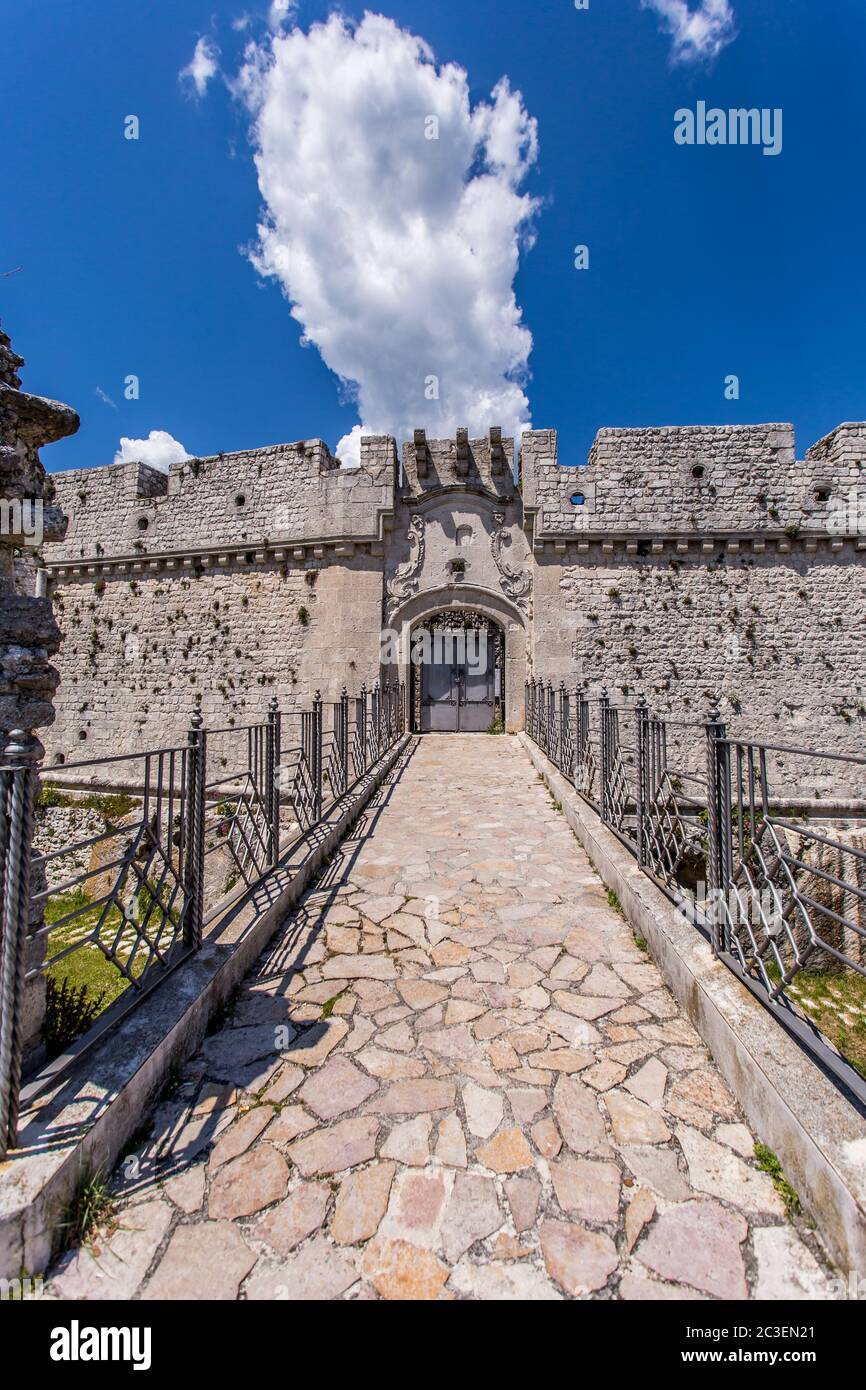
[406, 578]
[516, 584]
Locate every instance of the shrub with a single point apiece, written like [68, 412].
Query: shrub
[69, 1012]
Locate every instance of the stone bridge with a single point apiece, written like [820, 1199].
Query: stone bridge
[454, 1073]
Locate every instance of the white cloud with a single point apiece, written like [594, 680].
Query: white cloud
[281, 12]
[396, 252]
[159, 450]
[105, 398]
[698, 35]
[203, 65]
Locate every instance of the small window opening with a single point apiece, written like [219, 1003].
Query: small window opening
[577, 499]
[698, 470]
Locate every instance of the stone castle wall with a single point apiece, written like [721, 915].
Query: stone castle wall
[709, 566]
[227, 581]
[262, 496]
[737, 479]
[695, 565]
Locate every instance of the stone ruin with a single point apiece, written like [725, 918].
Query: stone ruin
[29, 633]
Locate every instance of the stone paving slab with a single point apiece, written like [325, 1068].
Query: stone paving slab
[470, 1083]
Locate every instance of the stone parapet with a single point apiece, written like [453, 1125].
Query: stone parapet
[696, 480]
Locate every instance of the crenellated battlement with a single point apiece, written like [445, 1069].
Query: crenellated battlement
[284, 492]
[694, 480]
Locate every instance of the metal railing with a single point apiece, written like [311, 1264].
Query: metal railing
[204, 817]
[777, 885]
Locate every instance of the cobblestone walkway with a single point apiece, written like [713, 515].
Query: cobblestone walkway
[454, 1074]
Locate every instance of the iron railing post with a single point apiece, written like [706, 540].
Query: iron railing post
[195, 812]
[18, 779]
[317, 755]
[361, 719]
[606, 751]
[273, 755]
[551, 722]
[547, 697]
[344, 737]
[719, 849]
[375, 701]
[582, 722]
[642, 777]
[563, 716]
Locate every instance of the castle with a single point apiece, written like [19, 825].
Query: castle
[695, 564]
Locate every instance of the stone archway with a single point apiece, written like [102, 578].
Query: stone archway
[457, 673]
[455, 600]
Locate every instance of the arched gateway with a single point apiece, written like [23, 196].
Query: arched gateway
[457, 661]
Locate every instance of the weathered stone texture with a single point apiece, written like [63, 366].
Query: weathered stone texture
[483, 1174]
[703, 564]
[28, 632]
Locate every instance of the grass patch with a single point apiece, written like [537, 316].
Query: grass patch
[83, 984]
[87, 968]
[821, 995]
[330, 1004]
[111, 806]
[69, 1012]
[92, 1209]
[614, 902]
[768, 1163]
[641, 943]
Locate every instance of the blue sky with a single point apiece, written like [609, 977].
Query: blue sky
[704, 262]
